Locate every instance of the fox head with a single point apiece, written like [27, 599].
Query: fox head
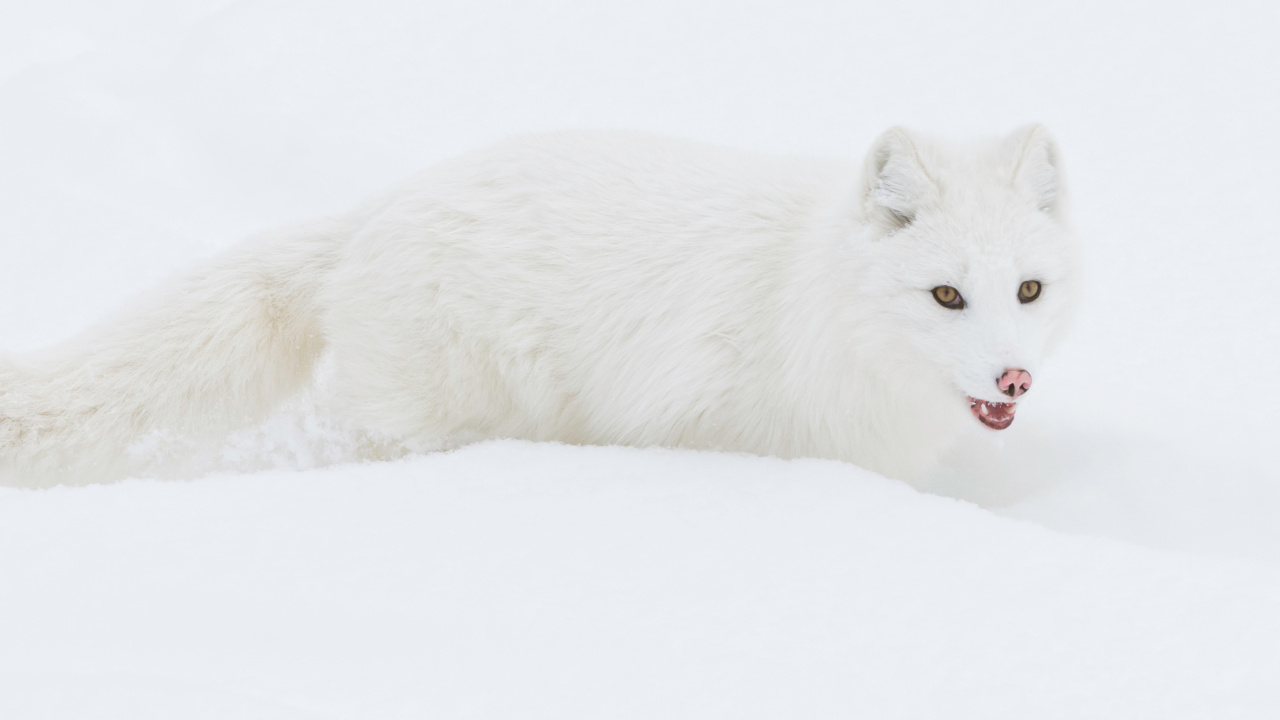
[973, 270]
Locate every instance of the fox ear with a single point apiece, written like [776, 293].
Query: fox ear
[1038, 168]
[895, 184]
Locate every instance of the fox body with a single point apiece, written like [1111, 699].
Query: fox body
[603, 288]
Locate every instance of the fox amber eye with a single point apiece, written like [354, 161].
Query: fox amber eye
[1029, 291]
[948, 297]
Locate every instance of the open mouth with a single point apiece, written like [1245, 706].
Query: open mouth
[995, 415]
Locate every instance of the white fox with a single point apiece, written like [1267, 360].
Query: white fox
[603, 288]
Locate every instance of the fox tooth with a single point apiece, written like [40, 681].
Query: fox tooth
[984, 409]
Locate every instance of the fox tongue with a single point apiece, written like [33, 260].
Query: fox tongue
[995, 415]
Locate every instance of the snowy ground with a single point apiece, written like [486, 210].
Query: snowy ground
[513, 580]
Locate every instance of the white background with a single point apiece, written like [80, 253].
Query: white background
[138, 137]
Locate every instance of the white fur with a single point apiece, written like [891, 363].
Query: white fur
[602, 288]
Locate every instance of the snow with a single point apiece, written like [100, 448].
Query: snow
[521, 580]
[1115, 553]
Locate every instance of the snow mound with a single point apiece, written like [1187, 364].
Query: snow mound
[524, 580]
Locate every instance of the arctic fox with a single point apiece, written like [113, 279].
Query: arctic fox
[604, 288]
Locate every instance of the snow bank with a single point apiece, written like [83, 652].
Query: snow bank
[520, 580]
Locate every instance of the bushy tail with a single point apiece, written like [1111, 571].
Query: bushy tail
[209, 352]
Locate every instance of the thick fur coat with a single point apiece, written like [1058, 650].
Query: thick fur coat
[601, 288]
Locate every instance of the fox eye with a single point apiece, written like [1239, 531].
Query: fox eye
[1029, 291]
[948, 297]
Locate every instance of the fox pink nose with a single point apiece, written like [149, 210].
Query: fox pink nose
[1014, 382]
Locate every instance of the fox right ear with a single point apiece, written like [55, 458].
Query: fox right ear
[895, 183]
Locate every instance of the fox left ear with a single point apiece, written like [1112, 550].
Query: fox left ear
[1038, 167]
[895, 183]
